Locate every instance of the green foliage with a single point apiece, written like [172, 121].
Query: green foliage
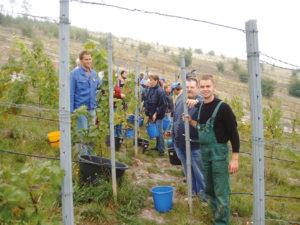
[211, 53]
[101, 202]
[268, 87]
[27, 30]
[198, 51]
[236, 104]
[166, 50]
[272, 116]
[17, 92]
[295, 73]
[294, 86]
[50, 29]
[241, 206]
[79, 34]
[188, 57]
[220, 67]
[235, 65]
[144, 48]
[38, 67]
[243, 75]
[27, 194]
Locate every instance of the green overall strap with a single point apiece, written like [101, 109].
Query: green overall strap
[198, 118]
[215, 112]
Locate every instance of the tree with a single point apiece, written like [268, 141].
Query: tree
[272, 126]
[243, 75]
[166, 50]
[26, 6]
[220, 67]
[188, 57]
[144, 48]
[294, 86]
[198, 51]
[235, 65]
[211, 53]
[268, 87]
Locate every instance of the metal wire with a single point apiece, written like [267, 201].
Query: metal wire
[159, 14]
[46, 18]
[279, 60]
[267, 195]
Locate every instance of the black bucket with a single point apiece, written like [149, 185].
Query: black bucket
[93, 167]
[144, 143]
[174, 160]
[118, 142]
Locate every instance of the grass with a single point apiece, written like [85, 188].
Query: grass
[94, 204]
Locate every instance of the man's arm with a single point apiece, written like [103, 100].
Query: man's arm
[234, 163]
[231, 128]
[72, 90]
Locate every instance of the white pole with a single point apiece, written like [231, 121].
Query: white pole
[187, 136]
[257, 123]
[111, 118]
[64, 115]
[136, 93]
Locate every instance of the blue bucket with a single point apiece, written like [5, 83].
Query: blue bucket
[163, 198]
[130, 119]
[152, 130]
[129, 133]
[166, 123]
[170, 143]
[141, 121]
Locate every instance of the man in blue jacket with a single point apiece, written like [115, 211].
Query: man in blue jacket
[155, 104]
[198, 185]
[83, 90]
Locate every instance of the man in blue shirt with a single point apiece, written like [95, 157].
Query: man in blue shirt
[83, 91]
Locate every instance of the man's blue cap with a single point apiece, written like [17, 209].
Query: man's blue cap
[175, 85]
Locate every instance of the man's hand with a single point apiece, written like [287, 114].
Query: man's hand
[191, 102]
[234, 163]
[186, 117]
[123, 96]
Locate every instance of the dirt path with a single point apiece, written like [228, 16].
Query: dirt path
[149, 172]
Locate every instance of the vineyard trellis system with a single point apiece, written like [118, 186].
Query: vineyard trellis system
[258, 142]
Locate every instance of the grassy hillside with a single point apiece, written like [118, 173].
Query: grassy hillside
[158, 59]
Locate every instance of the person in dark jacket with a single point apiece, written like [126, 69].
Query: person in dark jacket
[155, 105]
[198, 184]
[170, 107]
[119, 95]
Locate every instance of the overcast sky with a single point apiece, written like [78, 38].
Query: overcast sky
[278, 23]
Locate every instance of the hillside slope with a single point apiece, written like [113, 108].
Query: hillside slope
[160, 61]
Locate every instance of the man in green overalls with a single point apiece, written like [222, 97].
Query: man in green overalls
[216, 125]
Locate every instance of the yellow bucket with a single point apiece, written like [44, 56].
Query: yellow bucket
[53, 138]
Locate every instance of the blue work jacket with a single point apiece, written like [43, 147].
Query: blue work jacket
[83, 88]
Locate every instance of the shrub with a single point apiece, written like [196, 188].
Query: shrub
[198, 51]
[294, 86]
[27, 30]
[166, 50]
[211, 53]
[268, 87]
[235, 65]
[188, 57]
[243, 75]
[144, 48]
[220, 67]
